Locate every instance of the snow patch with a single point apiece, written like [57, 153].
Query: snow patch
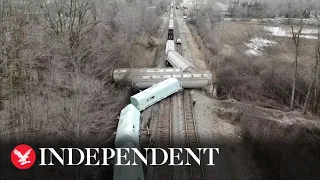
[286, 32]
[256, 46]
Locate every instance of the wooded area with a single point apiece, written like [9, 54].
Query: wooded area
[55, 62]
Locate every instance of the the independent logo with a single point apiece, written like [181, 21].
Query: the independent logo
[23, 156]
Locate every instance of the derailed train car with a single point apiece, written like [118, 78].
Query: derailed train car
[187, 80]
[131, 73]
[128, 126]
[124, 172]
[179, 62]
[132, 172]
[128, 137]
[155, 93]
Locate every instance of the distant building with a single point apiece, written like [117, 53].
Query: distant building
[194, 4]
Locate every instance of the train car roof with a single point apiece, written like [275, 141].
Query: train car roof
[128, 126]
[163, 84]
[184, 75]
[124, 70]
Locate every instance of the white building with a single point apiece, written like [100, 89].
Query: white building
[194, 3]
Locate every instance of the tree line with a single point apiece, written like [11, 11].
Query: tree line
[55, 62]
[275, 84]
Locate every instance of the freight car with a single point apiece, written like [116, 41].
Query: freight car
[155, 93]
[170, 46]
[124, 172]
[128, 127]
[187, 80]
[130, 73]
[179, 62]
[170, 30]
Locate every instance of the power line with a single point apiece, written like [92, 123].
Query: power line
[289, 83]
[266, 85]
[280, 99]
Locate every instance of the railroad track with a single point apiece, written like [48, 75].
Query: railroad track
[196, 171]
[164, 125]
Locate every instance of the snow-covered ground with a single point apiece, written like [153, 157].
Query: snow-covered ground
[285, 31]
[256, 46]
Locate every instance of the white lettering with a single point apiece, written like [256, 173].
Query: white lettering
[172, 156]
[191, 153]
[105, 155]
[52, 152]
[142, 158]
[70, 163]
[211, 155]
[94, 156]
[119, 156]
[154, 156]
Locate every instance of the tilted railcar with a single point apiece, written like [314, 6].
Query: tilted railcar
[128, 137]
[128, 127]
[124, 172]
[130, 73]
[155, 93]
[179, 62]
[187, 80]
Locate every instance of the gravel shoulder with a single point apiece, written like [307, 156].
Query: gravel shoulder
[234, 160]
[190, 48]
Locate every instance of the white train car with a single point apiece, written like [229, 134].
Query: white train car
[179, 62]
[128, 127]
[170, 46]
[170, 30]
[171, 24]
[124, 172]
[128, 137]
[130, 73]
[187, 80]
[155, 93]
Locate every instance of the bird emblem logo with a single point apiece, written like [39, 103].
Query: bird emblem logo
[23, 156]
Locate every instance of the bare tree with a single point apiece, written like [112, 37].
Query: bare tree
[315, 72]
[313, 78]
[296, 40]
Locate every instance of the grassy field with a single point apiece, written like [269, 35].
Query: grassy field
[235, 36]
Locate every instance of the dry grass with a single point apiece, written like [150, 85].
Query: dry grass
[234, 35]
[263, 80]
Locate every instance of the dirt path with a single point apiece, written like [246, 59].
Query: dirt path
[189, 46]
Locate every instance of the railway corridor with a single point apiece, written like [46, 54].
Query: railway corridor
[190, 49]
[175, 126]
[163, 137]
[196, 171]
